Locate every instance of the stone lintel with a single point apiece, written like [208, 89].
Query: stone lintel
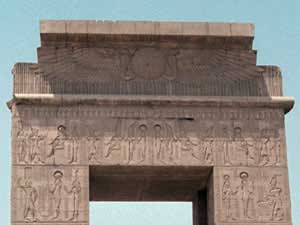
[86, 30]
[102, 27]
[285, 103]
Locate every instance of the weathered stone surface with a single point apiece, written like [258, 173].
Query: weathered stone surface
[149, 111]
[147, 28]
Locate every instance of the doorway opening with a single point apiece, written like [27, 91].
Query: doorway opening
[139, 213]
[149, 195]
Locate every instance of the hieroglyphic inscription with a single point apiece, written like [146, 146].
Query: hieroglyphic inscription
[200, 113]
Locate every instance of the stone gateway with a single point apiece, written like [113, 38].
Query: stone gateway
[148, 111]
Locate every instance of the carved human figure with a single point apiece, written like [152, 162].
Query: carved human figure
[227, 193]
[75, 191]
[72, 144]
[35, 150]
[165, 141]
[93, 148]
[241, 145]
[190, 144]
[225, 145]
[30, 198]
[208, 151]
[22, 145]
[56, 189]
[168, 139]
[274, 200]
[246, 194]
[114, 144]
[265, 152]
[158, 142]
[141, 143]
[58, 143]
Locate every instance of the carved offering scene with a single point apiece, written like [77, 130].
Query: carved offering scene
[45, 194]
[115, 136]
[251, 194]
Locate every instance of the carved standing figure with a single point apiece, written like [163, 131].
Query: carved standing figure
[208, 151]
[171, 143]
[56, 189]
[227, 193]
[30, 197]
[240, 144]
[225, 145]
[73, 147]
[130, 142]
[75, 191]
[158, 142]
[165, 143]
[141, 143]
[265, 152]
[22, 146]
[246, 193]
[93, 145]
[34, 140]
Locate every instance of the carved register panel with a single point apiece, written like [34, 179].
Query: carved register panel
[44, 194]
[149, 111]
[127, 135]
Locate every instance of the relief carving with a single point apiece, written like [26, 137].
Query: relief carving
[21, 145]
[75, 191]
[61, 145]
[273, 200]
[166, 143]
[94, 145]
[257, 197]
[246, 194]
[35, 146]
[73, 147]
[30, 145]
[227, 193]
[200, 113]
[270, 152]
[30, 196]
[238, 201]
[55, 197]
[133, 143]
[148, 64]
[250, 151]
[56, 189]
[58, 143]
[149, 141]
[241, 148]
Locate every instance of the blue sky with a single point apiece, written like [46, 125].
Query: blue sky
[277, 41]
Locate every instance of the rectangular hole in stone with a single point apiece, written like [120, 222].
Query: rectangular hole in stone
[151, 188]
